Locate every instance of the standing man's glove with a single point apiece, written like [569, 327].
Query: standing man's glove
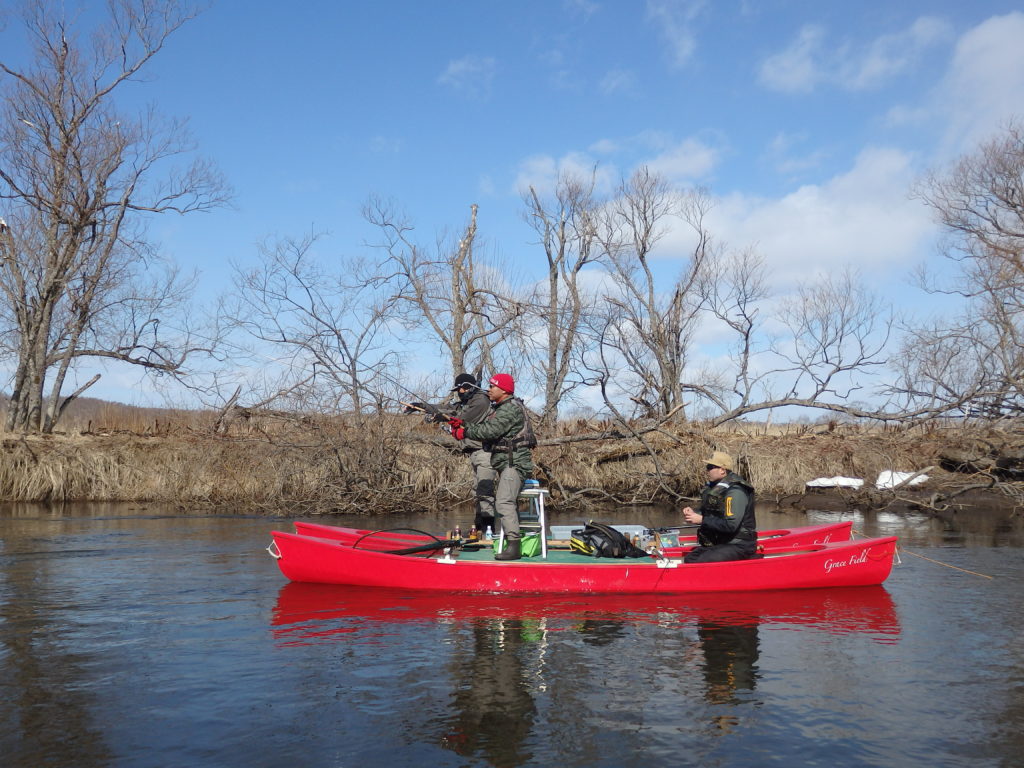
[458, 431]
[414, 407]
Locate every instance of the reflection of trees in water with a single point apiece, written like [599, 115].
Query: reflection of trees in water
[44, 708]
[494, 706]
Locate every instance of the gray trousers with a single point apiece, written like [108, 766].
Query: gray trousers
[485, 477]
[506, 499]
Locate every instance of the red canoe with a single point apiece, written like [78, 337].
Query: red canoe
[309, 613]
[769, 541]
[836, 564]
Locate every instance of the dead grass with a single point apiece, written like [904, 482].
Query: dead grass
[302, 466]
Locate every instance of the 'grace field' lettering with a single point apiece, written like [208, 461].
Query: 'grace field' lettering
[830, 565]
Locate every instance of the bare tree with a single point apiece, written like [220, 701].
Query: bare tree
[838, 332]
[78, 277]
[828, 337]
[459, 300]
[566, 225]
[324, 334]
[833, 333]
[972, 360]
[734, 298]
[649, 320]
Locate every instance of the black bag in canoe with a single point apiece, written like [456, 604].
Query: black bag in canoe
[602, 540]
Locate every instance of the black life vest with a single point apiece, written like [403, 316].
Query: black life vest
[712, 504]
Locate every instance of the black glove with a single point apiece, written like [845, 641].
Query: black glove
[415, 408]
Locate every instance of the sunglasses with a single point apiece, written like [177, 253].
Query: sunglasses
[709, 467]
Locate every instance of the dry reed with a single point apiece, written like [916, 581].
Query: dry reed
[287, 465]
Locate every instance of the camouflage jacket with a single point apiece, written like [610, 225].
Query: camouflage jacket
[506, 420]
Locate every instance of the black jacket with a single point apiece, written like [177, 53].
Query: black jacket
[728, 510]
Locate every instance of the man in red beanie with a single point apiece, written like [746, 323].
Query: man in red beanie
[508, 435]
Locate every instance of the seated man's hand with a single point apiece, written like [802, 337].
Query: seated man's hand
[694, 518]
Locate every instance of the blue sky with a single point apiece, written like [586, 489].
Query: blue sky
[808, 121]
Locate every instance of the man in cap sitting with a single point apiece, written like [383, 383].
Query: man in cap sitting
[728, 528]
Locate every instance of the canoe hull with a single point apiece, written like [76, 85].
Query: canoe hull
[839, 564]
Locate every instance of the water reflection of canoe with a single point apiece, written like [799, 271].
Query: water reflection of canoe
[304, 612]
[769, 540]
[835, 564]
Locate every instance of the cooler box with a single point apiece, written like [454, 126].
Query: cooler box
[564, 532]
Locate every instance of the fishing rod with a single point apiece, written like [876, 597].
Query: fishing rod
[673, 528]
[420, 404]
[433, 412]
[401, 386]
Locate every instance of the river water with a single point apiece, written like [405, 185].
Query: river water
[141, 636]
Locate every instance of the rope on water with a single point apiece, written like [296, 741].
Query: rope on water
[954, 567]
[932, 560]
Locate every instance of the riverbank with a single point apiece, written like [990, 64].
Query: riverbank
[395, 464]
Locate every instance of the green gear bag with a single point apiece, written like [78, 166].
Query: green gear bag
[529, 545]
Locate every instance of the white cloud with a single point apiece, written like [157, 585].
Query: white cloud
[471, 75]
[688, 160]
[678, 161]
[585, 8]
[902, 114]
[673, 19]
[618, 81]
[890, 55]
[542, 171]
[809, 61]
[604, 146]
[782, 155]
[795, 69]
[560, 75]
[984, 86]
[862, 218]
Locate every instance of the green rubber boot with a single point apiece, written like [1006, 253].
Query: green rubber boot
[511, 551]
